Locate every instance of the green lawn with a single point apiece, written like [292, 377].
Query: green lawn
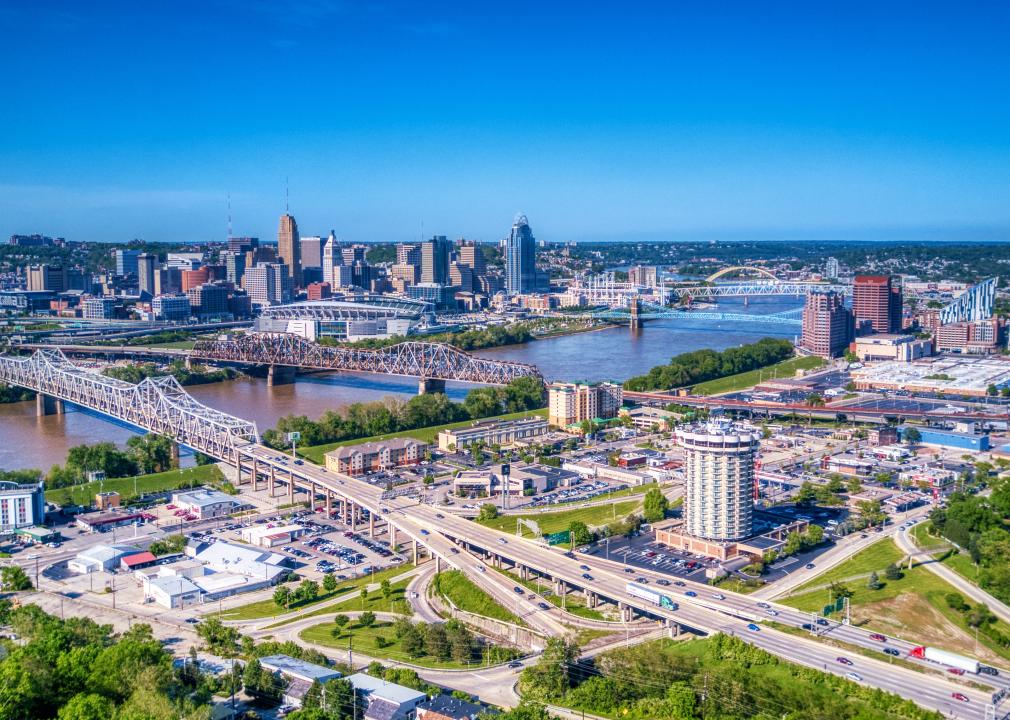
[913, 607]
[268, 608]
[429, 434]
[465, 595]
[742, 381]
[874, 558]
[130, 487]
[375, 641]
[552, 522]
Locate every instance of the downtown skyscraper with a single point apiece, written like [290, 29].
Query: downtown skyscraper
[289, 248]
[520, 258]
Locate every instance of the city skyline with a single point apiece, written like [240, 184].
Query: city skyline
[788, 123]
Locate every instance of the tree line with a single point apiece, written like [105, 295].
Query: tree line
[703, 365]
[391, 415]
[719, 677]
[196, 375]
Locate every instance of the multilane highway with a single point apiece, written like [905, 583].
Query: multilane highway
[708, 611]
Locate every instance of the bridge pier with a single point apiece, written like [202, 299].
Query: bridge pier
[371, 526]
[414, 551]
[255, 475]
[392, 536]
[590, 598]
[430, 385]
[291, 486]
[634, 319]
[329, 504]
[438, 564]
[272, 481]
[280, 375]
[48, 405]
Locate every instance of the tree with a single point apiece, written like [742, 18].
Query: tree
[329, 583]
[87, 706]
[854, 486]
[307, 591]
[655, 506]
[806, 495]
[436, 641]
[835, 483]
[386, 589]
[219, 638]
[152, 452]
[870, 513]
[282, 596]
[340, 621]
[578, 533]
[911, 435]
[14, 578]
[366, 619]
[412, 641]
[815, 535]
[488, 511]
[873, 583]
[893, 572]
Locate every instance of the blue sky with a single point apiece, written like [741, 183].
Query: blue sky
[667, 120]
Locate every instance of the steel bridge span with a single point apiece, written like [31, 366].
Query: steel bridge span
[650, 311]
[451, 541]
[433, 363]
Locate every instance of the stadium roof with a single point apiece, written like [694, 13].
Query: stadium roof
[352, 307]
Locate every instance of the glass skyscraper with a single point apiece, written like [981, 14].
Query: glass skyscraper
[520, 258]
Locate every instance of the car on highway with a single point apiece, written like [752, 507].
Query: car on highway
[543, 606]
[809, 566]
[753, 627]
[642, 580]
[679, 583]
[454, 551]
[518, 590]
[440, 516]
[878, 637]
[986, 670]
[663, 581]
[773, 613]
[503, 541]
[960, 697]
[193, 620]
[425, 532]
[480, 568]
[807, 626]
[894, 652]
[855, 677]
[587, 576]
[584, 567]
[691, 593]
[629, 570]
[822, 622]
[955, 671]
[843, 660]
[764, 605]
[718, 596]
[515, 664]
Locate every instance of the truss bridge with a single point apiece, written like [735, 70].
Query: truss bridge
[433, 363]
[159, 405]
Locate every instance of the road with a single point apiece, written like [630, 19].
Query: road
[998, 607]
[445, 534]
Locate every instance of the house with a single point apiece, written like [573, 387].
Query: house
[205, 503]
[447, 707]
[386, 700]
[374, 456]
[298, 674]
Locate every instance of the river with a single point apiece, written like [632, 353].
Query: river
[27, 441]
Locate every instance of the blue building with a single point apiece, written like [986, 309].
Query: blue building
[520, 258]
[949, 438]
[975, 303]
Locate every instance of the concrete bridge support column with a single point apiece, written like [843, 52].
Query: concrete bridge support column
[590, 598]
[329, 504]
[280, 375]
[272, 481]
[414, 551]
[291, 486]
[48, 405]
[430, 385]
[392, 536]
[255, 475]
[371, 525]
[673, 628]
[438, 564]
[523, 572]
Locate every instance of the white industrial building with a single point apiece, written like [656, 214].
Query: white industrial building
[205, 503]
[266, 536]
[100, 557]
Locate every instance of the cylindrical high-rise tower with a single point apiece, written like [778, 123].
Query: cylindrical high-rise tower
[718, 479]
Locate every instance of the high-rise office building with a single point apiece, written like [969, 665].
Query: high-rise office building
[520, 258]
[331, 258]
[312, 252]
[195, 278]
[876, 299]
[289, 249]
[831, 268]
[827, 324]
[47, 278]
[242, 244]
[234, 263]
[353, 253]
[461, 276]
[268, 284]
[645, 275]
[173, 308]
[718, 479]
[435, 260]
[208, 300]
[126, 261]
[469, 254]
[147, 268]
[976, 303]
[408, 254]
